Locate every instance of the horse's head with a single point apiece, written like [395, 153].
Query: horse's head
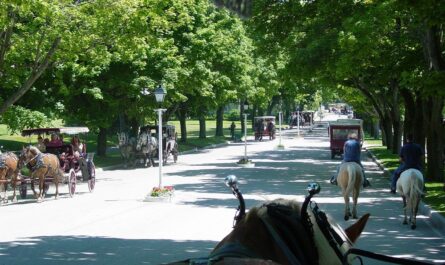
[290, 232]
[142, 140]
[122, 138]
[27, 154]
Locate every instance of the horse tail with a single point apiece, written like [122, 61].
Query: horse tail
[415, 184]
[351, 178]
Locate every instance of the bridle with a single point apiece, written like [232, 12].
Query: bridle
[334, 239]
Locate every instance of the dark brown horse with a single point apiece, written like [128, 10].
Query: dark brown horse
[8, 173]
[42, 166]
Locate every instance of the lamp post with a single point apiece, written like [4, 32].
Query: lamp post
[279, 119]
[160, 95]
[246, 106]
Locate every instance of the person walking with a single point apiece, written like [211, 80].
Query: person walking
[410, 157]
[232, 130]
[352, 153]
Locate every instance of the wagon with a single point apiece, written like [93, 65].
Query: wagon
[169, 140]
[264, 126]
[81, 168]
[339, 131]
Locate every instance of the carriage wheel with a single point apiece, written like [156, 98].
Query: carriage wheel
[23, 190]
[92, 180]
[72, 182]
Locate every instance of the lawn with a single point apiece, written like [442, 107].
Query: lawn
[435, 196]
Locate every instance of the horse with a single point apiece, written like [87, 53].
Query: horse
[8, 170]
[148, 145]
[410, 186]
[284, 232]
[126, 147]
[350, 179]
[171, 148]
[42, 166]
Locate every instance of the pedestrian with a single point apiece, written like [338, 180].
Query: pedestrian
[232, 130]
[410, 157]
[351, 153]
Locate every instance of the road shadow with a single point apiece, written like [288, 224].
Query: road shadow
[101, 250]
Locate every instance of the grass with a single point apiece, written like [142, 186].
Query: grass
[435, 196]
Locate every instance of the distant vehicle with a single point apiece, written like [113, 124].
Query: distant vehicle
[339, 131]
[264, 126]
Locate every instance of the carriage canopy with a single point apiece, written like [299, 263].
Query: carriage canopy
[64, 130]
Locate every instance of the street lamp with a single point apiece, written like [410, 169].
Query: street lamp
[160, 95]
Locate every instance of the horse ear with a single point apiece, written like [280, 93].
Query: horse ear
[353, 232]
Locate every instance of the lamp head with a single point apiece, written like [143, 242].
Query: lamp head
[246, 105]
[160, 94]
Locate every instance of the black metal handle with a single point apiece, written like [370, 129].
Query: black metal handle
[231, 181]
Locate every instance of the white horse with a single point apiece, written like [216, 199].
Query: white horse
[350, 179]
[126, 147]
[148, 145]
[410, 186]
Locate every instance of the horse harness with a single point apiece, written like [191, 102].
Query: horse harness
[281, 216]
[3, 159]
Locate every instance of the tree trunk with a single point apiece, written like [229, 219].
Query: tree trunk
[434, 132]
[102, 142]
[202, 127]
[182, 115]
[219, 121]
[395, 117]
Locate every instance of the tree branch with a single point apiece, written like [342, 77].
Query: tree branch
[35, 74]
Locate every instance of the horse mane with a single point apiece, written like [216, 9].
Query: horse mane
[34, 150]
[284, 216]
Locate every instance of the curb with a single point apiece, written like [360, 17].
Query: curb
[435, 218]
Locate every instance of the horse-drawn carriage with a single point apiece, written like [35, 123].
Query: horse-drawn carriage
[339, 131]
[169, 143]
[264, 126]
[73, 160]
[145, 146]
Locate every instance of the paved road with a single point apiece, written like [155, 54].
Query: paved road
[114, 225]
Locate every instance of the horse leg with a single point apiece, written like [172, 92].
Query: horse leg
[41, 188]
[405, 220]
[414, 213]
[3, 194]
[355, 194]
[57, 178]
[347, 210]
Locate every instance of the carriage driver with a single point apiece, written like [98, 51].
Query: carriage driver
[352, 151]
[410, 157]
[78, 152]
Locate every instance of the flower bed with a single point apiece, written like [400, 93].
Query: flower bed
[165, 191]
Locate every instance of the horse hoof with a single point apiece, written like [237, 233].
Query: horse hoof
[14, 200]
[346, 217]
[354, 217]
[56, 197]
[39, 200]
[405, 222]
[413, 226]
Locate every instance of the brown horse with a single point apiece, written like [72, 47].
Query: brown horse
[42, 166]
[350, 179]
[276, 233]
[8, 172]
